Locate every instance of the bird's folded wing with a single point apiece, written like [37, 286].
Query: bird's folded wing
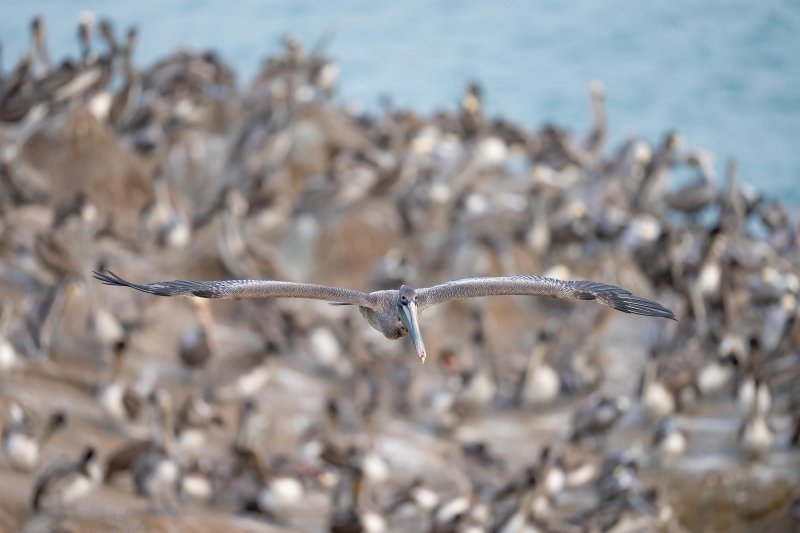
[241, 289]
[608, 295]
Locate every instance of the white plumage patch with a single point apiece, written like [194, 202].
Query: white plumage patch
[77, 488]
[425, 498]
[373, 523]
[22, 451]
[324, 346]
[280, 493]
[196, 488]
[8, 356]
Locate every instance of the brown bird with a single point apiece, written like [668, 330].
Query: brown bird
[395, 312]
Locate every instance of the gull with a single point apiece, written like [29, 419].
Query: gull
[395, 313]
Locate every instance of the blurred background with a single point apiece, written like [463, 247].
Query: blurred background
[723, 72]
[367, 146]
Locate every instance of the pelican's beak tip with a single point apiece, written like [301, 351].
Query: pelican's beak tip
[422, 358]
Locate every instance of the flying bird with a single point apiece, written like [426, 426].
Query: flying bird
[395, 313]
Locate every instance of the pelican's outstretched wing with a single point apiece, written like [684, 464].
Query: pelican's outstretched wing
[241, 289]
[608, 295]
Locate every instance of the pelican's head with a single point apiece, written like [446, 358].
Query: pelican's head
[37, 29]
[407, 312]
[133, 35]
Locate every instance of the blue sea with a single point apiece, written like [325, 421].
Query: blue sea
[723, 73]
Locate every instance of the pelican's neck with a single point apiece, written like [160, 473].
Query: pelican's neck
[163, 425]
[6, 311]
[537, 356]
[244, 431]
[650, 373]
[116, 371]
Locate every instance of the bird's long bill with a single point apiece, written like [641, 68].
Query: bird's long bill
[408, 315]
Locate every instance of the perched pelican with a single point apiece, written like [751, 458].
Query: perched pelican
[593, 144]
[41, 59]
[597, 416]
[395, 313]
[657, 399]
[194, 419]
[520, 519]
[61, 485]
[117, 398]
[23, 441]
[756, 433]
[280, 490]
[199, 343]
[44, 315]
[195, 486]
[10, 360]
[347, 512]
[669, 441]
[415, 498]
[698, 195]
[541, 383]
[753, 392]
[156, 472]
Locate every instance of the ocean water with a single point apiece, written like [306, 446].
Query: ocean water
[723, 73]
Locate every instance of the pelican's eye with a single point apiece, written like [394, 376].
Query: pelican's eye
[404, 299]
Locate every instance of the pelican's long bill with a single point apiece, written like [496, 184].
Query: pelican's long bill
[408, 315]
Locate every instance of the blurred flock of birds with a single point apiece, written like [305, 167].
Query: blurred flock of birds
[128, 412]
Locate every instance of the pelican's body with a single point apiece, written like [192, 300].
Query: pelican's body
[395, 312]
[23, 442]
[60, 486]
[383, 316]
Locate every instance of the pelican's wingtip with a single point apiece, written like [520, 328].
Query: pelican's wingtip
[620, 299]
[108, 278]
[628, 303]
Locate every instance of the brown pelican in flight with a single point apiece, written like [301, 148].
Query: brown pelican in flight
[395, 313]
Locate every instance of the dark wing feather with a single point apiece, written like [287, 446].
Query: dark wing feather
[168, 288]
[619, 299]
[608, 295]
[241, 289]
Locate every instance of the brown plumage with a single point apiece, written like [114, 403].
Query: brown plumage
[394, 313]
[121, 460]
